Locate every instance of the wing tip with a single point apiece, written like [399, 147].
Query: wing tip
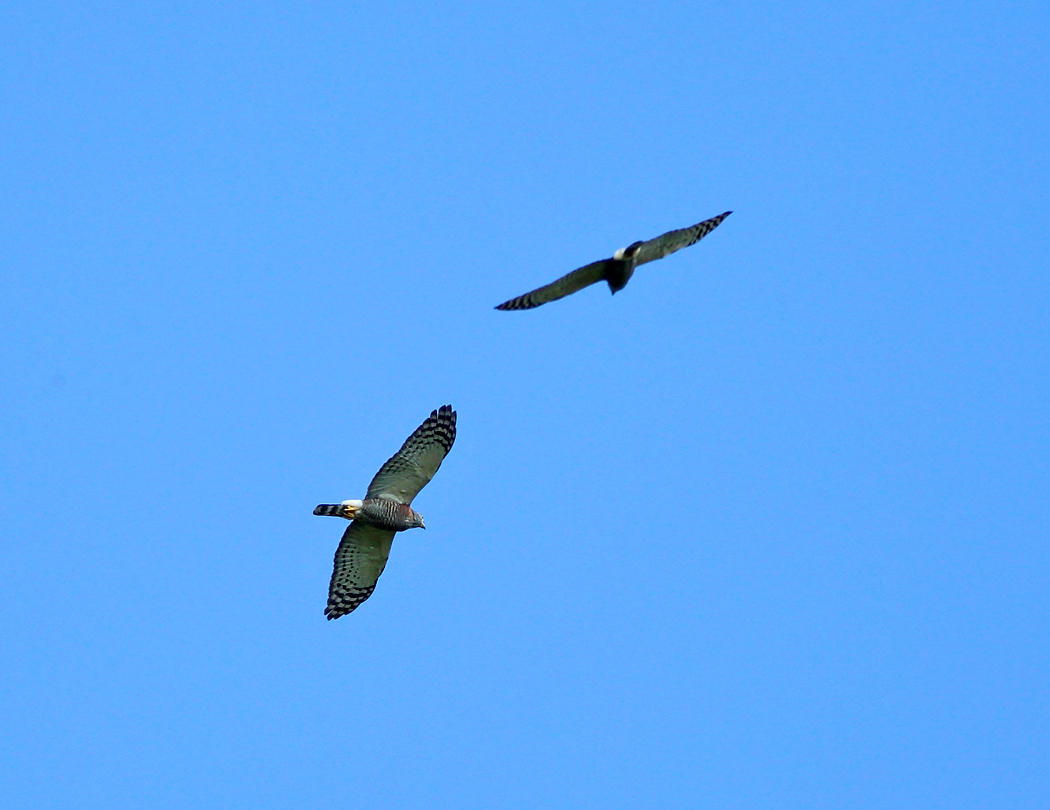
[442, 420]
[448, 415]
[336, 611]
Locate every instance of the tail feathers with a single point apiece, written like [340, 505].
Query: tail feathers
[330, 510]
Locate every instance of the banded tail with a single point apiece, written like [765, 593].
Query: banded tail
[346, 509]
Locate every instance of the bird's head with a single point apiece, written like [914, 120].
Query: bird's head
[627, 252]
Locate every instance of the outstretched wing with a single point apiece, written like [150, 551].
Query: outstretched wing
[359, 560]
[671, 241]
[569, 283]
[410, 468]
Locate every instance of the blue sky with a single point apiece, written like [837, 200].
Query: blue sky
[766, 529]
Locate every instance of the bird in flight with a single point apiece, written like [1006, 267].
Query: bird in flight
[618, 270]
[385, 510]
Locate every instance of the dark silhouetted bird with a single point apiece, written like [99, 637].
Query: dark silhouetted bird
[618, 270]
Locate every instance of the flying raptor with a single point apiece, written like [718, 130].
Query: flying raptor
[616, 271]
[385, 510]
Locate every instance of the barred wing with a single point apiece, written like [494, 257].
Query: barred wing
[359, 560]
[671, 241]
[410, 468]
[567, 284]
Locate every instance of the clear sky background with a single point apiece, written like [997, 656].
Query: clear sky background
[768, 529]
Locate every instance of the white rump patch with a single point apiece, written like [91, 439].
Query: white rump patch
[358, 504]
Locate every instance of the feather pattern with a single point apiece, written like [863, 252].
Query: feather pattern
[668, 243]
[410, 468]
[566, 285]
[359, 560]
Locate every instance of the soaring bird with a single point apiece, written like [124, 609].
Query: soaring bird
[385, 510]
[619, 269]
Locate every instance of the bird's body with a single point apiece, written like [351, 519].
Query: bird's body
[379, 512]
[617, 273]
[617, 270]
[385, 510]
